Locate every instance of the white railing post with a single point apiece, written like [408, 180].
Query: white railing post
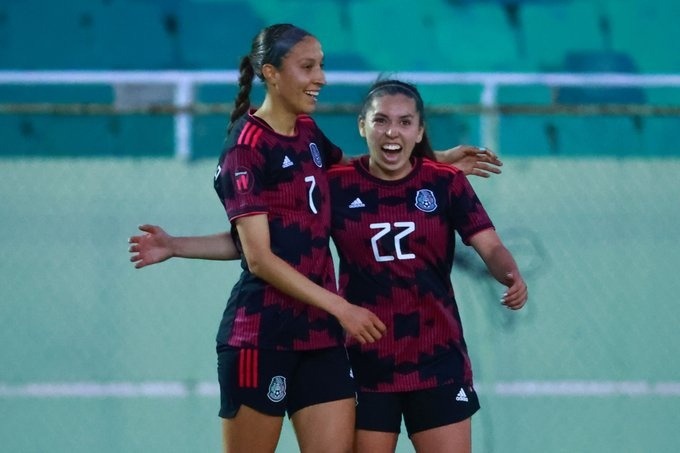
[183, 99]
[488, 123]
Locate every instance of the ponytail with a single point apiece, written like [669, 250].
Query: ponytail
[245, 83]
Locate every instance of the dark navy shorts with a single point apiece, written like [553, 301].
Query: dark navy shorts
[421, 409]
[276, 382]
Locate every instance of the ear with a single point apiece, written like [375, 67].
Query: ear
[362, 125]
[421, 131]
[269, 73]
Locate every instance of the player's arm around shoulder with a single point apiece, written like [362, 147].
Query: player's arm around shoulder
[472, 160]
[253, 231]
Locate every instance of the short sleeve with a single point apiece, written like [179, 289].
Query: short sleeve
[239, 180]
[468, 215]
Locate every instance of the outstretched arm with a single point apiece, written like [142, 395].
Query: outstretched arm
[156, 246]
[502, 267]
[357, 321]
[471, 160]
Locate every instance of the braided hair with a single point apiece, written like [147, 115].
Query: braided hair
[269, 46]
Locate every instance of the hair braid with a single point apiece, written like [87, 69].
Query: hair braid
[245, 83]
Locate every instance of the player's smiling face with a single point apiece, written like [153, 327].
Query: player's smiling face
[299, 80]
[391, 128]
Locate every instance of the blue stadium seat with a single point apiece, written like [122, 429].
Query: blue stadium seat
[599, 61]
[216, 34]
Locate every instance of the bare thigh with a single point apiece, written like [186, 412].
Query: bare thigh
[453, 438]
[325, 427]
[251, 431]
[375, 441]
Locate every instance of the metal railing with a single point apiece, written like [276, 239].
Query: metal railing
[183, 105]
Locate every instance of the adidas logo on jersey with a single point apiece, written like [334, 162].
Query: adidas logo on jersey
[462, 396]
[357, 203]
[287, 162]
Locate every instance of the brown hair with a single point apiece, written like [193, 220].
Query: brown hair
[392, 86]
[269, 46]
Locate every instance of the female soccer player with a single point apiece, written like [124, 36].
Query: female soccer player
[280, 343]
[394, 216]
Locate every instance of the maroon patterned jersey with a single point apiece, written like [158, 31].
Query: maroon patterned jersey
[395, 240]
[284, 177]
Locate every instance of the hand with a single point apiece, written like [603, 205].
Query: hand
[517, 294]
[473, 160]
[360, 323]
[150, 248]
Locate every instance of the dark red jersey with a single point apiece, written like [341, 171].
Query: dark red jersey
[395, 240]
[262, 172]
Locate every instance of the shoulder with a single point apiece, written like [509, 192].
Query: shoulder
[336, 170]
[441, 168]
[444, 175]
[307, 121]
[246, 132]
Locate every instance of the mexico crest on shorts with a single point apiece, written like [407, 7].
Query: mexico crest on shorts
[277, 389]
[425, 200]
[316, 154]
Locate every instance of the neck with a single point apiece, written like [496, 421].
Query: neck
[278, 118]
[389, 174]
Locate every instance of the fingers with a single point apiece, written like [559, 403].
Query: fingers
[517, 294]
[371, 333]
[136, 249]
[138, 259]
[470, 150]
[515, 302]
[136, 246]
[380, 327]
[484, 170]
[370, 329]
[147, 228]
[486, 161]
[486, 156]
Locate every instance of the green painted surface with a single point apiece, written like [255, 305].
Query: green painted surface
[596, 238]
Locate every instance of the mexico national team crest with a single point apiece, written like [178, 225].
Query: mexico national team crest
[277, 389]
[316, 154]
[425, 200]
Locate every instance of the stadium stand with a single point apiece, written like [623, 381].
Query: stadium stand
[439, 35]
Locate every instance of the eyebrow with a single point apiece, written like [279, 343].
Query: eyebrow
[408, 115]
[304, 60]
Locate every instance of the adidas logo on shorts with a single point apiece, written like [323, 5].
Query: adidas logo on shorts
[462, 396]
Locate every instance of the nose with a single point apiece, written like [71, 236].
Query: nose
[391, 131]
[320, 78]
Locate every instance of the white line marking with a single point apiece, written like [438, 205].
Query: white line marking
[179, 389]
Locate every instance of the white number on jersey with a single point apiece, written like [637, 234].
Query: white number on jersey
[312, 184]
[408, 228]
